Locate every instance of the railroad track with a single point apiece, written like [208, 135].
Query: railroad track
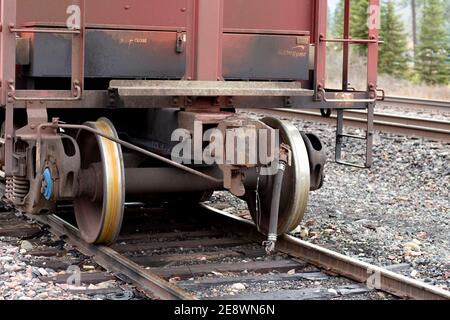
[176, 256]
[405, 125]
[441, 104]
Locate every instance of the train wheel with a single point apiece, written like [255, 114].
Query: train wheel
[100, 218]
[295, 188]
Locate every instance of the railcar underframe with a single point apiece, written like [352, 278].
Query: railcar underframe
[88, 110]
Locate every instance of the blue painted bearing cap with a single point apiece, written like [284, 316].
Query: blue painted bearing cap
[47, 183]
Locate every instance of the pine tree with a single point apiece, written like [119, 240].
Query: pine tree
[393, 59]
[416, 8]
[359, 14]
[358, 19]
[433, 50]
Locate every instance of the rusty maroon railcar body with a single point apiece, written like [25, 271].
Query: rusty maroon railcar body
[262, 40]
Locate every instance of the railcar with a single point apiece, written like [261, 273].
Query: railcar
[109, 101]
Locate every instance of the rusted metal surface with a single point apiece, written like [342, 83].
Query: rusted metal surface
[287, 15]
[269, 57]
[207, 88]
[320, 30]
[269, 14]
[317, 158]
[302, 256]
[137, 149]
[351, 268]
[77, 56]
[346, 47]
[93, 99]
[117, 263]
[99, 217]
[432, 129]
[40, 95]
[205, 41]
[162, 180]
[106, 12]
[78, 51]
[205, 23]
[7, 77]
[372, 51]
[420, 102]
[295, 185]
[109, 54]
[205, 33]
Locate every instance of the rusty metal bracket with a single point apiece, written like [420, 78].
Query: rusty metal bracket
[383, 94]
[324, 97]
[181, 40]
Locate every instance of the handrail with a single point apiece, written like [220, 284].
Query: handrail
[76, 97]
[324, 97]
[30, 30]
[350, 40]
[77, 59]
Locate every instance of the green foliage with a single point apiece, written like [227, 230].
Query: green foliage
[359, 14]
[393, 58]
[358, 19]
[433, 51]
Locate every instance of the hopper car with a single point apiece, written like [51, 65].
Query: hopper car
[92, 92]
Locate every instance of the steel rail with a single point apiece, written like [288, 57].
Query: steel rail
[154, 286]
[376, 277]
[427, 128]
[147, 281]
[418, 101]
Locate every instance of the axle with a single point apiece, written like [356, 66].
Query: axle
[142, 181]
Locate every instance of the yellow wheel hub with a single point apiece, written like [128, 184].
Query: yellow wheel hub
[100, 219]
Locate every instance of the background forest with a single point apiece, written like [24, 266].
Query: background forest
[415, 56]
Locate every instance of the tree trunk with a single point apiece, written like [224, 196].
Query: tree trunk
[414, 24]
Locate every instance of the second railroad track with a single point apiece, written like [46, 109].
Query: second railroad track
[405, 125]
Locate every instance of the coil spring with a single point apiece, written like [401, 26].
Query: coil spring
[9, 189]
[21, 187]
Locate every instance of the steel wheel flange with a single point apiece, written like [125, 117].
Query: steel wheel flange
[100, 219]
[295, 189]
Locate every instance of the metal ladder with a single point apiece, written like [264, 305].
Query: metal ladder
[372, 90]
[368, 138]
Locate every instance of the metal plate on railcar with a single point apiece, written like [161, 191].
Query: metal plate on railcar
[266, 57]
[110, 54]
